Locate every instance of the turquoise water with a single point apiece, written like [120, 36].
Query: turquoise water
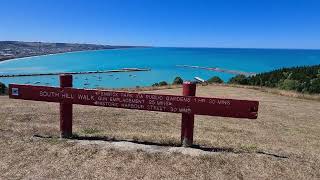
[161, 61]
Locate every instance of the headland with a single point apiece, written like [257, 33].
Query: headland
[20, 49]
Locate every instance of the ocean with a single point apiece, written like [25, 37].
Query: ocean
[162, 62]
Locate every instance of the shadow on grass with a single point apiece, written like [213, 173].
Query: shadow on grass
[195, 146]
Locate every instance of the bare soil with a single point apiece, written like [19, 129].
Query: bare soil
[283, 143]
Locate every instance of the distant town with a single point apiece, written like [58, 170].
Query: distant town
[18, 49]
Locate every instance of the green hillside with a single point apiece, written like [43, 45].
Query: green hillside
[305, 79]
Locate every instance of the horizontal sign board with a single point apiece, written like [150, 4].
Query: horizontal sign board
[150, 102]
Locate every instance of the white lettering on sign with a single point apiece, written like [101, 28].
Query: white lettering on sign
[109, 104]
[173, 109]
[132, 106]
[185, 110]
[153, 97]
[49, 94]
[109, 94]
[67, 96]
[114, 99]
[164, 103]
[85, 97]
[180, 99]
[156, 108]
[127, 95]
[224, 102]
[137, 101]
[101, 98]
[199, 100]
[140, 96]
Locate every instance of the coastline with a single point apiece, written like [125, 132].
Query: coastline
[27, 57]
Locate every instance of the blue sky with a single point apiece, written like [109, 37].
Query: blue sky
[183, 23]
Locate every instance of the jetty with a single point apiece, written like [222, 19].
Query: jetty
[235, 72]
[82, 72]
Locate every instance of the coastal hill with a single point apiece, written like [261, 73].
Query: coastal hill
[18, 49]
[304, 79]
[283, 143]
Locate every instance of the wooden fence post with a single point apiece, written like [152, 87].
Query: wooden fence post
[189, 89]
[65, 109]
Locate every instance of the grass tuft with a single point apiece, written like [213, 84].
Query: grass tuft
[91, 131]
[249, 148]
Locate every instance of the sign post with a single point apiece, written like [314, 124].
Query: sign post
[65, 108]
[187, 123]
[187, 104]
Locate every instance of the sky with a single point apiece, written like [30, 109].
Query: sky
[166, 23]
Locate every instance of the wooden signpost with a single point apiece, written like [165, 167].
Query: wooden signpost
[188, 104]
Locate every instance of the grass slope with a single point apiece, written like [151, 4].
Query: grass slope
[249, 149]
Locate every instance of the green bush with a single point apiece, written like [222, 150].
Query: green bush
[2, 88]
[155, 84]
[178, 80]
[163, 83]
[239, 79]
[315, 85]
[215, 79]
[289, 84]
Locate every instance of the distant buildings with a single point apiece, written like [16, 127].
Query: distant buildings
[17, 49]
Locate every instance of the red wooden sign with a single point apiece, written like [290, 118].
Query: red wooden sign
[188, 104]
[149, 102]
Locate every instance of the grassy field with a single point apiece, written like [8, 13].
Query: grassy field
[283, 143]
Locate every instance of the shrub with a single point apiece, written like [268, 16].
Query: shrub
[239, 79]
[315, 85]
[289, 84]
[155, 84]
[2, 88]
[215, 79]
[178, 80]
[163, 83]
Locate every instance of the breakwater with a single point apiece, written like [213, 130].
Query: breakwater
[235, 72]
[82, 72]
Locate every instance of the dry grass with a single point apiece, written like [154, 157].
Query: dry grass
[254, 149]
[263, 89]
[278, 92]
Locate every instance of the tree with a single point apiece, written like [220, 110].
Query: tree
[302, 79]
[215, 79]
[178, 80]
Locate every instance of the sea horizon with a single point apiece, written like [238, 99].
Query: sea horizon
[139, 47]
